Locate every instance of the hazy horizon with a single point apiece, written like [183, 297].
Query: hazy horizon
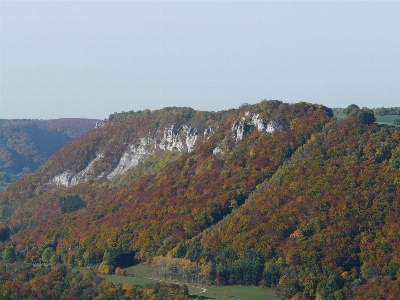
[89, 59]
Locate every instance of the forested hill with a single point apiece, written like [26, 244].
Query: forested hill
[27, 144]
[274, 194]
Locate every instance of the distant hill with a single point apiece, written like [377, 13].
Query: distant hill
[272, 194]
[27, 144]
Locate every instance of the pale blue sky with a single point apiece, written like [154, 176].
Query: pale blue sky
[93, 58]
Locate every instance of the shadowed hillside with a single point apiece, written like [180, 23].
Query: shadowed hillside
[27, 144]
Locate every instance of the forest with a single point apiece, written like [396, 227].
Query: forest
[309, 209]
[27, 144]
[380, 111]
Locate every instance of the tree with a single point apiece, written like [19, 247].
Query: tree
[396, 122]
[9, 254]
[350, 108]
[71, 203]
[47, 254]
[365, 114]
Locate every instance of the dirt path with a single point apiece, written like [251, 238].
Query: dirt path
[169, 281]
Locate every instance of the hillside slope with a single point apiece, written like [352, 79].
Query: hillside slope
[27, 144]
[275, 194]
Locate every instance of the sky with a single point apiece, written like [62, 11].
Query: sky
[89, 59]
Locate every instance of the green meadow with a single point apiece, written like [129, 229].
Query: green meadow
[141, 274]
[388, 120]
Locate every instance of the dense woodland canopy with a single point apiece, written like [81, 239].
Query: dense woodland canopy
[311, 209]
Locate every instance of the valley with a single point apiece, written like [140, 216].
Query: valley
[270, 198]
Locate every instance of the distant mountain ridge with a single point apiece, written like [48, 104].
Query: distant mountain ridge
[27, 144]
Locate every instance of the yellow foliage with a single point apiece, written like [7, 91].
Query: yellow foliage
[104, 269]
[298, 233]
[121, 272]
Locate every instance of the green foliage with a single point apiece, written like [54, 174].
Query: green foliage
[8, 254]
[24, 281]
[396, 122]
[312, 209]
[365, 114]
[71, 203]
[47, 255]
[384, 111]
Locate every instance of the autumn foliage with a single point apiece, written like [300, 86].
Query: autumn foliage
[311, 209]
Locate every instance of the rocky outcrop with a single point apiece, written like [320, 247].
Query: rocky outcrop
[217, 150]
[85, 174]
[63, 179]
[241, 127]
[133, 156]
[171, 140]
[191, 137]
[174, 138]
[272, 126]
[67, 178]
[209, 131]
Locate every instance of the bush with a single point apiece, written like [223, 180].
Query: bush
[71, 203]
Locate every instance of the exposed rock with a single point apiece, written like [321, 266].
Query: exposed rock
[62, 180]
[191, 137]
[133, 156]
[171, 140]
[209, 131]
[272, 126]
[217, 150]
[101, 124]
[240, 127]
[84, 175]
[67, 178]
[174, 138]
[258, 122]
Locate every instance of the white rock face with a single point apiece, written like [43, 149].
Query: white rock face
[83, 175]
[67, 178]
[191, 137]
[240, 127]
[132, 157]
[258, 122]
[62, 180]
[217, 150]
[272, 126]
[174, 138]
[171, 140]
[209, 131]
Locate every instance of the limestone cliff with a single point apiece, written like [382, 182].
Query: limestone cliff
[242, 127]
[176, 137]
[173, 138]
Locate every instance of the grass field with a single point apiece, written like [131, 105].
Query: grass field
[237, 292]
[388, 120]
[341, 116]
[142, 274]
